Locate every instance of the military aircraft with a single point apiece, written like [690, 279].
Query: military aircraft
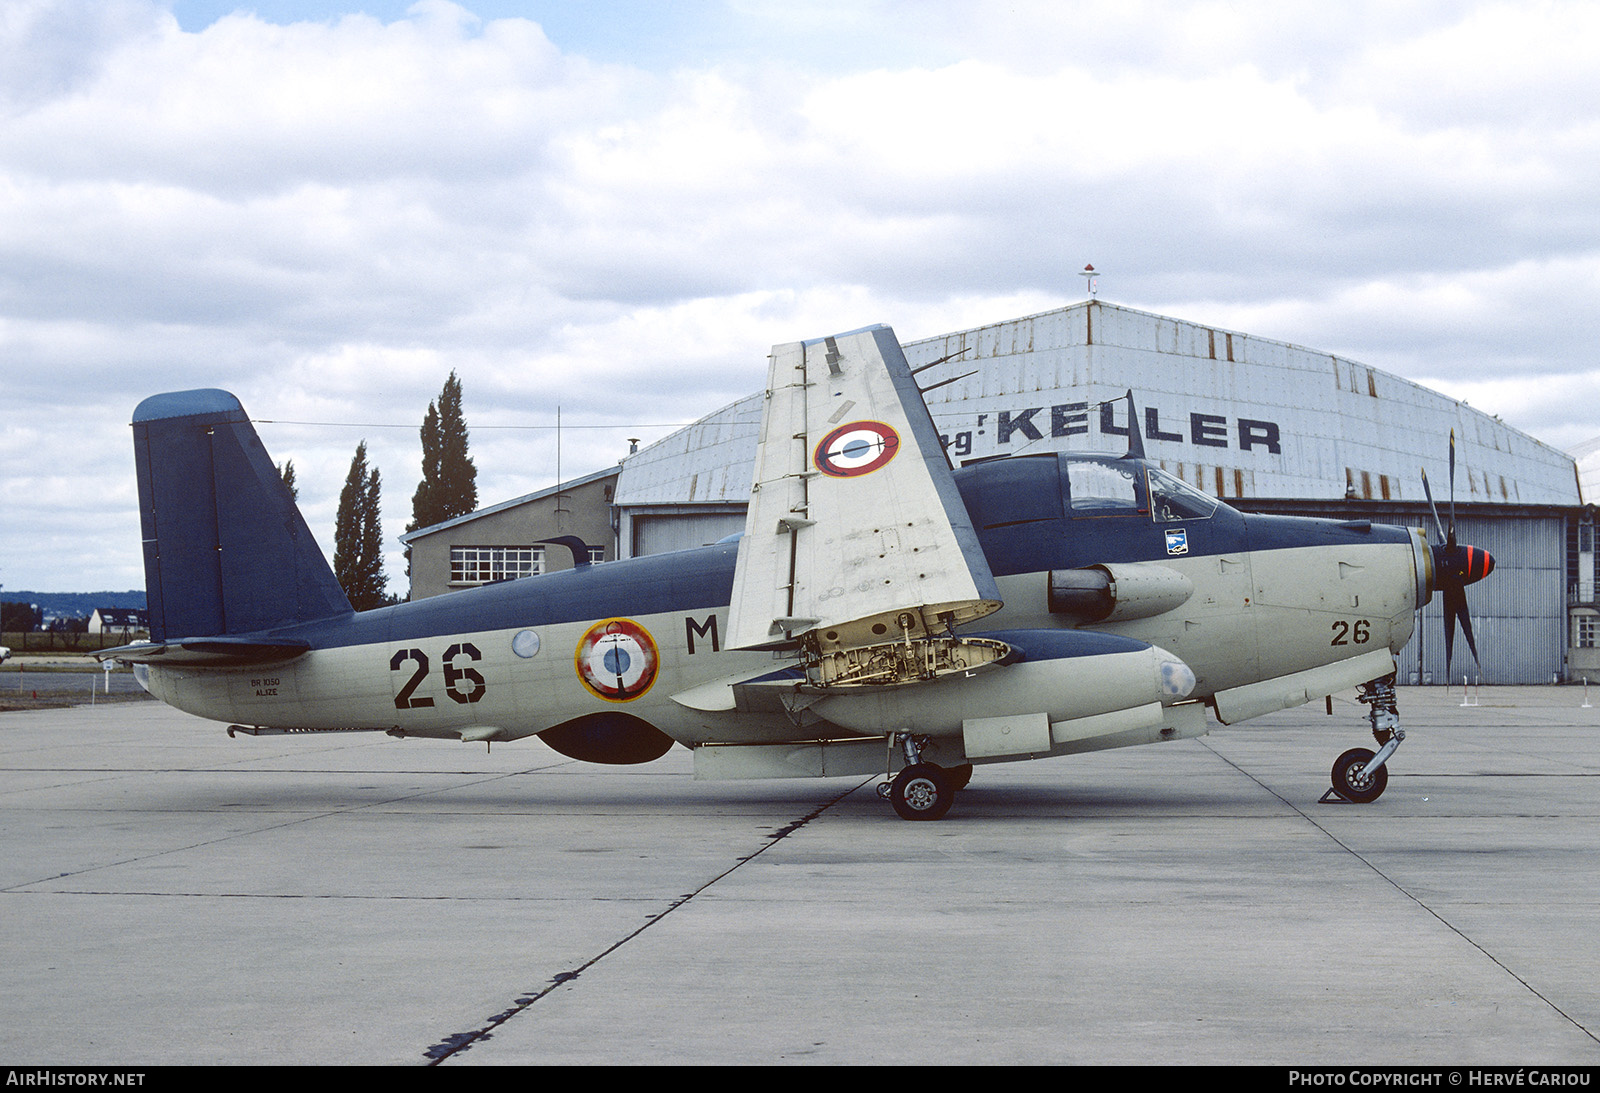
[839, 635]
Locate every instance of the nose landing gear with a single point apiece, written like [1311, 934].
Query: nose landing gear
[1359, 775]
[1356, 779]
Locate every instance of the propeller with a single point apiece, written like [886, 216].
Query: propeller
[1454, 567]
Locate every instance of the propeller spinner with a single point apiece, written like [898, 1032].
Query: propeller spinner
[1454, 567]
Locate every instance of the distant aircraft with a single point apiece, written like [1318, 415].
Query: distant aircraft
[838, 636]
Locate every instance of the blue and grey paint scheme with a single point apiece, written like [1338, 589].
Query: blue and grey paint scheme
[249, 623]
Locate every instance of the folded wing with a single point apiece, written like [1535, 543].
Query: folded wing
[856, 542]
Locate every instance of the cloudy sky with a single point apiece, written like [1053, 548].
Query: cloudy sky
[615, 208]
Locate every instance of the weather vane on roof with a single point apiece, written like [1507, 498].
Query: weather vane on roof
[1092, 277]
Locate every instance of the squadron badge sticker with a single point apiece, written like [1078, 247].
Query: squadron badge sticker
[860, 447]
[1178, 541]
[617, 660]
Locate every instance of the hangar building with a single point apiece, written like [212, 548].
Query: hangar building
[1264, 425]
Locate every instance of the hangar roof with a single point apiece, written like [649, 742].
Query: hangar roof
[549, 491]
[1234, 414]
[1587, 456]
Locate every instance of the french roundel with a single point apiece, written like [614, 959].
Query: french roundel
[858, 448]
[617, 660]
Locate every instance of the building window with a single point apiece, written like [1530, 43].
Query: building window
[596, 555]
[1588, 631]
[491, 564]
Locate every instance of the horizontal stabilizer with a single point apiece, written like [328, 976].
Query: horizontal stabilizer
[219, 652]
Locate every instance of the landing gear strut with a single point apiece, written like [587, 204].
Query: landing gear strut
[922, 791]
[1358, 774]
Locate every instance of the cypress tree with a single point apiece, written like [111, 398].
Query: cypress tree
[286, 472]
[358, 536]
[449, 485]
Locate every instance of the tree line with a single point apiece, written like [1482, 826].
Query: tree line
[449, 488]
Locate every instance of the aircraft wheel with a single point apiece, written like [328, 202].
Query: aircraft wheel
[922, 792]
[1351, 780]
[959, 776]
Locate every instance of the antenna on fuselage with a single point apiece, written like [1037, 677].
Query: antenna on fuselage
[1135, 434]
[942, 360]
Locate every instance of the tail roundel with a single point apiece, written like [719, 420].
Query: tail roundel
[226, 550]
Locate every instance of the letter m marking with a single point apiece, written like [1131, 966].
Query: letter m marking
[702, 629]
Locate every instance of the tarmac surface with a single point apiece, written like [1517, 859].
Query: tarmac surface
[169, 895]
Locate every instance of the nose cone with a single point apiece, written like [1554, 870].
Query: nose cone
[1482, 565]
[1460, 565]
[1470, 564]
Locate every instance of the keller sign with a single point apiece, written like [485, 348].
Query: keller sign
[1018, 427]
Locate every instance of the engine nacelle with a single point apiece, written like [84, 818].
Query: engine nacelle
[1119, 591]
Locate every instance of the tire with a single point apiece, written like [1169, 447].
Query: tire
[922, 792]
[1352, 782]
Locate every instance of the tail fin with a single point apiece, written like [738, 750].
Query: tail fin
[225, 549]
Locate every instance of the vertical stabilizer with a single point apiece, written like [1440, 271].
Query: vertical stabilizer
[226, 550]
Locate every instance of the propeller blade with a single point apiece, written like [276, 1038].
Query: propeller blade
[1451, 541]
[1449, 628]
[1455, 566]
[1429, 493]
[1466, 630]
[1455, 612]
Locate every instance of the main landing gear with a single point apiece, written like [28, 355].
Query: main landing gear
[1360, 775]
[923, 791]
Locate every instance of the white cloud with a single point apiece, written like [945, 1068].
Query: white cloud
[326, 217]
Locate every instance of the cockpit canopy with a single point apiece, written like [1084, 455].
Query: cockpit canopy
[1058, 485]
[1104, 486]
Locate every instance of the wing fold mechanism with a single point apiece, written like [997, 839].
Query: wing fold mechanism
[858, 552]
[909, 660]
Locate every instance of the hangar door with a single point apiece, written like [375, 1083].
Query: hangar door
[680, 531]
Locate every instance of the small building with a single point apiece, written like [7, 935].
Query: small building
[539, 533]
[118, 620]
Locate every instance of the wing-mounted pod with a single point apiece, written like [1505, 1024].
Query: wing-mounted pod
[857, 552]
[1118, 591]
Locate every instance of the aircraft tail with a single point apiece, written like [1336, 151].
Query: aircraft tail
[226, 550]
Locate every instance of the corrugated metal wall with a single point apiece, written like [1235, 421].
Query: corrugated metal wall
[1519, 613]
[660, 533]
[1231, 413]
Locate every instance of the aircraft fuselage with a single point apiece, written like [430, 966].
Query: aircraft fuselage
[1267, 597]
